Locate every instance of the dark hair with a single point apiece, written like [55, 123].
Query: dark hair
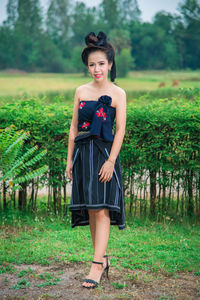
[99, 42]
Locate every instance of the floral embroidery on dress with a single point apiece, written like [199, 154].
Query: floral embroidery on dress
[85, 125]
[101, 113]
[81, 105]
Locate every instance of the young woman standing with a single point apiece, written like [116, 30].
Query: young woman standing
[93, 161]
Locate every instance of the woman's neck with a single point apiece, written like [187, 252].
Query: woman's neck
[101, 85]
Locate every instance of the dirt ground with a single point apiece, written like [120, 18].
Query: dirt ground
[63, 281]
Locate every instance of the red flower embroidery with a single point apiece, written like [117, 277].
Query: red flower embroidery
[81, 105]
[101, 113]
[85, 125]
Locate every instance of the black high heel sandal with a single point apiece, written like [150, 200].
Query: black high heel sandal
[93, 281]
[107, 265]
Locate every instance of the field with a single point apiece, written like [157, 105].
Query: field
[16, 83]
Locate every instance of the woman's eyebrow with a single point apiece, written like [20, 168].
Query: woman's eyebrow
[98, 61]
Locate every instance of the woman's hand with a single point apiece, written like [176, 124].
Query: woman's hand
[69, 170]
[106, 171]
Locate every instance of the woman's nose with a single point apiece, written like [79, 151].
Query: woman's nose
[96, 68]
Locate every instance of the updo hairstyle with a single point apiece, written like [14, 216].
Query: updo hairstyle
[99, 42]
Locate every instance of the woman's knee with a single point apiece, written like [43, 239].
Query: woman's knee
[98, 212]
[102, 213]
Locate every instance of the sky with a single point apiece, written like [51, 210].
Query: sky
[148, 7]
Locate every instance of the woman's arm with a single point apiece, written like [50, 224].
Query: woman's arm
[73, 132]
[120, 126]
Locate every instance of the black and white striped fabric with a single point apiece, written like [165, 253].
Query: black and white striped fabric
[87, 191]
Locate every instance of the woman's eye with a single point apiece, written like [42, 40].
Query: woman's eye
[93, 65]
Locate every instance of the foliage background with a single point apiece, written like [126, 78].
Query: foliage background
[53, 42]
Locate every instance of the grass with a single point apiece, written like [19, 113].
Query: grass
[146, 245]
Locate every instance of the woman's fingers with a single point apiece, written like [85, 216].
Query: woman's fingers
[106, 172]
[69, 173]
[105, 177]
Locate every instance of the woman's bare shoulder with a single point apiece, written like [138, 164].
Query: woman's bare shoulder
[82, 87]
[119, 91]
[83, 90]
[119, 96]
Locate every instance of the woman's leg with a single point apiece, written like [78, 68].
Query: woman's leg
[100, 234]
[92, 220]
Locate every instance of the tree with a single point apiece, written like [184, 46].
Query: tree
[12, 14]
[58, 24]
[27, 32]
[49, 57]
[77, 63]
[7, 48]
[29, 20]
[190, 10]
[120, 39]
[110, 13]
[83, 21]
[169, 54]
[178, 33]
[153, 47]
[129, 11]
[164, 20]
[124, 63]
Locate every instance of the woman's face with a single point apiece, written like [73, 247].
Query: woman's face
[98, 65]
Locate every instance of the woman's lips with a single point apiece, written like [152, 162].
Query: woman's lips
[97, 76]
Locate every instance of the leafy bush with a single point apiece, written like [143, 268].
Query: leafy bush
[16, 165]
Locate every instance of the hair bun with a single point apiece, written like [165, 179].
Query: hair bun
[102, 38]
[99, 40]
[90, 38]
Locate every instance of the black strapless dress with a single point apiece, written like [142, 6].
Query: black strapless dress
[91, 150]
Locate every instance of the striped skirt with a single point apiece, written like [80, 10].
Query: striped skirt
[87, 191]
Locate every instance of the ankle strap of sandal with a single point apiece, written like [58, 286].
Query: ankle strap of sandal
[97, 262]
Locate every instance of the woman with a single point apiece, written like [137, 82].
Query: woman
[93, 161]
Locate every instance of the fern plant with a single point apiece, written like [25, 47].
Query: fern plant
[14, 164]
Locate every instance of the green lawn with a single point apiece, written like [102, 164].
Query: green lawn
[144, 245]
